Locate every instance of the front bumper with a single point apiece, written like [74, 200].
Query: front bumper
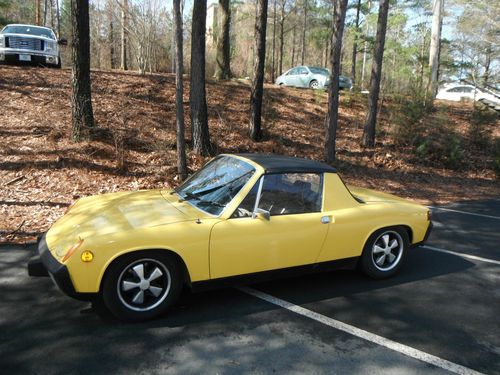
[43, 263]
[12, 56]
[426, 236]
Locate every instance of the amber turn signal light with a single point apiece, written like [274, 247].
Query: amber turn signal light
[87, 256]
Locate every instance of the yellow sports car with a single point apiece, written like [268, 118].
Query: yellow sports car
[241, 215]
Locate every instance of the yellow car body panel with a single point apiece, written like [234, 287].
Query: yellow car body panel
[211, 247]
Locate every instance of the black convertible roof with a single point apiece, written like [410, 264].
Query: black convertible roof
[281, 164]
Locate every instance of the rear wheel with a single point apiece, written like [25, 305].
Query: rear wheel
[141, 285]
[314, 84]
[384, 252]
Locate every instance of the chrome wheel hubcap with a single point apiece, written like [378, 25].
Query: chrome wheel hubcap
[143, 284]
[387, 251]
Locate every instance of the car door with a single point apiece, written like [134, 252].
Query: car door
[303, 77]
[292, 78]
[291, 235]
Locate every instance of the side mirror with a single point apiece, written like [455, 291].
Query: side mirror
[63, 42]
[261, 214]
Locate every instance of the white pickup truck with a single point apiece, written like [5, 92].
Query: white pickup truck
[29, 43]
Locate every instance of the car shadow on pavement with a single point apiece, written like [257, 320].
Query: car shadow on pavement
[43, 330]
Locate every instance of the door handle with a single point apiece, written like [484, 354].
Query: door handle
[327, 220]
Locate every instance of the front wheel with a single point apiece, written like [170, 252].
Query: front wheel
[142, 285]
[384, 252]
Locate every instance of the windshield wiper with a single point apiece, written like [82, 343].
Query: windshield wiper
[201, 200]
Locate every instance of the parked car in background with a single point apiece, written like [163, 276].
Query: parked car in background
[456, 92]
[310, 76]
[30, 44]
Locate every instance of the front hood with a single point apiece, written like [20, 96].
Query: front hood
[116, 212]
[369, 196]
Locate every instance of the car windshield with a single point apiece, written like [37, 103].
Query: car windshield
[215, 185]
[30, 30]
[321, 71]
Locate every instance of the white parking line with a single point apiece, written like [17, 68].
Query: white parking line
[365, 335]
[464, 212]
[468, 256]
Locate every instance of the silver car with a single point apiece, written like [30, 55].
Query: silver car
[31, 44]
[311, 76]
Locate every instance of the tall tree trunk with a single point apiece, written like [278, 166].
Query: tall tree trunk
[304, 28]
[81, 100]
[38, 12]
[437, 19]
[179, 91]
[124, 65]
[371, 120]
[365, 49]
[222, 68]
[487, 65]
[293, 45]
[332, 115]
[45, 9]
[258, 71]
[273, 70]
[197, 94]
[58, 16]
[111, 36]
[355, 43]
[282, 36]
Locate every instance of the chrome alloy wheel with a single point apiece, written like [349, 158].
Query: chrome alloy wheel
[387, 250]
[314, 84]
[144, 284]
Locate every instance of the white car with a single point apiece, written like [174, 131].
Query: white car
[30, 44]
[457, 93]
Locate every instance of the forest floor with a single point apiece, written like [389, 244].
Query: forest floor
[42, 171]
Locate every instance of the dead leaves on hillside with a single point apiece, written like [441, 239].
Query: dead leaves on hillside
[42, 171]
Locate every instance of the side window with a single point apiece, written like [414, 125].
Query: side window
[291, 193]
[303, 71]
[293, 72]
[285, 194]
[467, 89]
[455, 89]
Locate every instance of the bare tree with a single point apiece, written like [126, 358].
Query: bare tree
[223, 67]
[332, 115]
[368, 139]
[258, 71]
[123, 64]
[365, 47]
[437, 21]
[304, 28]
[355, 43]
[179, 91]
[111, 35]
[197, 93]
[273, 63]
[282, 33]
[38, 12]
[81, 100]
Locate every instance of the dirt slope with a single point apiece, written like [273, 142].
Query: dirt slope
[42, 171]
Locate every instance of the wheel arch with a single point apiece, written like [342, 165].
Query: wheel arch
[405, 227]
[186, 279]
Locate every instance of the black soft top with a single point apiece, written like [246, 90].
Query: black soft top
[288, 164]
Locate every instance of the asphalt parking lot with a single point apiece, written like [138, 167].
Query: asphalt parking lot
[441, 314]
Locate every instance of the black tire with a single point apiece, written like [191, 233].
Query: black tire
[314, 84]
[385, 252]
[123, 285]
